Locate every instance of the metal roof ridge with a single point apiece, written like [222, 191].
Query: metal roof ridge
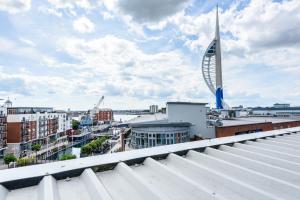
[55, 168]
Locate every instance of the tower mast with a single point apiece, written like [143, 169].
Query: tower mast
[219, 84]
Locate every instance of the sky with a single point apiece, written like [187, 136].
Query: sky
[68, 53]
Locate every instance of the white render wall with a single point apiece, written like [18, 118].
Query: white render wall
[194, 114]
[3, 110]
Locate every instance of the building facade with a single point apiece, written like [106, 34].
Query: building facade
[105, 115]
[282, 110]
[193, 113]
[153, 109]
[30, 125]
[3, 131]
[144, 135]
[251, 127]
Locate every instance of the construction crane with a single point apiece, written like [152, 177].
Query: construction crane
[96, 107]
[87, 119]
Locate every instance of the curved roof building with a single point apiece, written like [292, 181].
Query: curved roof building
[212, 67]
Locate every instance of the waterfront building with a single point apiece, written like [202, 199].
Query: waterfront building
[184, 121]
[30, 125]
[153, 109]
[3, 130]
[153, 134]
[104, 115]
[281, 110]
[194, 113]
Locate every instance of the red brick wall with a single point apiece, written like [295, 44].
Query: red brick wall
[32, 128]
[232, 130]
[52, 126]
[104, 116]
[13, 132]
[286, 125]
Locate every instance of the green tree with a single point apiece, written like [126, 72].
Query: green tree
[8, 158]
[75, 124]
[93, 145]
[36, 148]
[86, 149]
[25, 161]
[67, 157]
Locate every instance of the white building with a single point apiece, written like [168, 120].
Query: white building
[184, 121]
[194, 113]
[160, 133]
[153, 109]
[283, 110]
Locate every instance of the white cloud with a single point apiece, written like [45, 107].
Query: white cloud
[86, 4]
[50, 11]
[151, 10]
[83, 25]
[107, 15]
[153, 14]
[27, 42]
[15, 6]
[125, 70]
[262, 24]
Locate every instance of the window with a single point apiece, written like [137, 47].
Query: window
[158, 139]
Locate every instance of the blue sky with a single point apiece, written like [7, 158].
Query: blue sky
[68, 53]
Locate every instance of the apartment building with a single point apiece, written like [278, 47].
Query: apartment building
[105, 115]
[153, 109]
[3, 131]
[30, 125]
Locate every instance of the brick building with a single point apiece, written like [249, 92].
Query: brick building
[30, 125]
[105, 115]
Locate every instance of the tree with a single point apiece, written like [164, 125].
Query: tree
[86, 149]
[67, 156]
[8, 158]
[36, 148]
[25, 161]
[75, 124]
[94, 145]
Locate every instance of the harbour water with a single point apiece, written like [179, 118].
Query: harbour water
[124, 118]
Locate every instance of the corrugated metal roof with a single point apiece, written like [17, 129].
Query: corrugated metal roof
[262, 165]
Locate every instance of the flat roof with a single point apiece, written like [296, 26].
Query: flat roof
[273, 108]
[186, 103]
[30, 107]
[163, 123]
[262, 165]
[147, 118]
[255, 120]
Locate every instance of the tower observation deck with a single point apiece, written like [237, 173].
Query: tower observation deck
[212, 67]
